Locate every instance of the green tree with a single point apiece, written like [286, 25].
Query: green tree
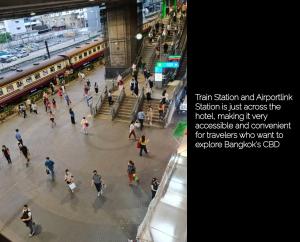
[5, 37]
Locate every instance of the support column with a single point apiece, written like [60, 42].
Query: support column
[122, 29]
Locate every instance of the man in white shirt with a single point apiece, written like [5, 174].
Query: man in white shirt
[131, 130]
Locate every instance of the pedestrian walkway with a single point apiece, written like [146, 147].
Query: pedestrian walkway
[82, 216]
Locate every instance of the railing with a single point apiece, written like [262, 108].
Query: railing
[137, 104]
[159, 194]
[95, 109]
[114, 109]
[172, 105]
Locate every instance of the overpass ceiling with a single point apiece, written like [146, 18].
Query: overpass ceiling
[22, 8]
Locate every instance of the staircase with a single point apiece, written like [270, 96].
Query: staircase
[156, 122]
[104, 112]
[124, 112]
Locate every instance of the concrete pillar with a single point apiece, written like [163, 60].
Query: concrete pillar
[122, 29]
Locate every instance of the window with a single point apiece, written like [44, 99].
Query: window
[37, 76]
[19, 83]
[9, 88]
[17, 21]
[98, 47]
[1, 92]
[52, 69]
[85, 54]
[29, 79]
[103, 46]
[94, 50]
[80, 56]
[45, 72]
[18, 28]
[90, 52]
[59, 66]
[75, 58]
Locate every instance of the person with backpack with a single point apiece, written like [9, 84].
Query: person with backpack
[6, 154]
[27, 219]
[131, 170]
[141, 117]
[49, 167]
[96, 180]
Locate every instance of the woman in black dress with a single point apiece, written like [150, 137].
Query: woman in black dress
[72, 114]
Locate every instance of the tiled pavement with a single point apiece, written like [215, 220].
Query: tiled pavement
[80, 217]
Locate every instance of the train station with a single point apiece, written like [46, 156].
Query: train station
[93, 120]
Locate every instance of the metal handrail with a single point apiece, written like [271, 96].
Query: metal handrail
[137, 104]
[103, 94]
[114, 109]
[159, 194]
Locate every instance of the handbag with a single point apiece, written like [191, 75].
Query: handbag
[137, 124]
[47, 171]
[72, 186]
[138, 145]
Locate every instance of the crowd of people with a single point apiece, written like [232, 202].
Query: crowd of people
[50, 105]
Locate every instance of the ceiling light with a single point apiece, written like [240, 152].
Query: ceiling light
[139, 36]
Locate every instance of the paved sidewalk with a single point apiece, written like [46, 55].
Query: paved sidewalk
[80, 217]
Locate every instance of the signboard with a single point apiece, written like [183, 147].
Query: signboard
[174, 57]
[167, 64]
[158, 77]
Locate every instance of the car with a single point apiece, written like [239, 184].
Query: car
[22, 54]
[5, 59]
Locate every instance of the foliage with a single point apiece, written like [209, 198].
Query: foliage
[5, 37]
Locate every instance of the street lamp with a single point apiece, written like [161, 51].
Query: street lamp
[139, 36]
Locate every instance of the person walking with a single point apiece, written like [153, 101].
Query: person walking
[6, 154]
[23, 109]
[161, 111]
[60, 93]
[88, 83]
[150, 114]
[26, 217]
[132, 130]
[18, 137]
[148, 93]
[51, 116]
[136, 88]
[143, 143]
[96, 88]
[53, 104]
[28, 104]
[141, 117]
[49, 167]
[72, 115]
[84, 123]
[166, 46]
[69, 179]
[96, 180]
[67, 99]
[131, 171]
[25, 152]
[109, 98]
[132, 82]
[154, 186]
[151, 81]
[34, 107]
[52, 88]
[63, 88]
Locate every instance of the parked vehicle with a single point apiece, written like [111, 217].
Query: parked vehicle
[22, 54]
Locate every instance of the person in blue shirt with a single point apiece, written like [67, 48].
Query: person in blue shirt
[18, 137]
[50, 166]
[141, 117]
